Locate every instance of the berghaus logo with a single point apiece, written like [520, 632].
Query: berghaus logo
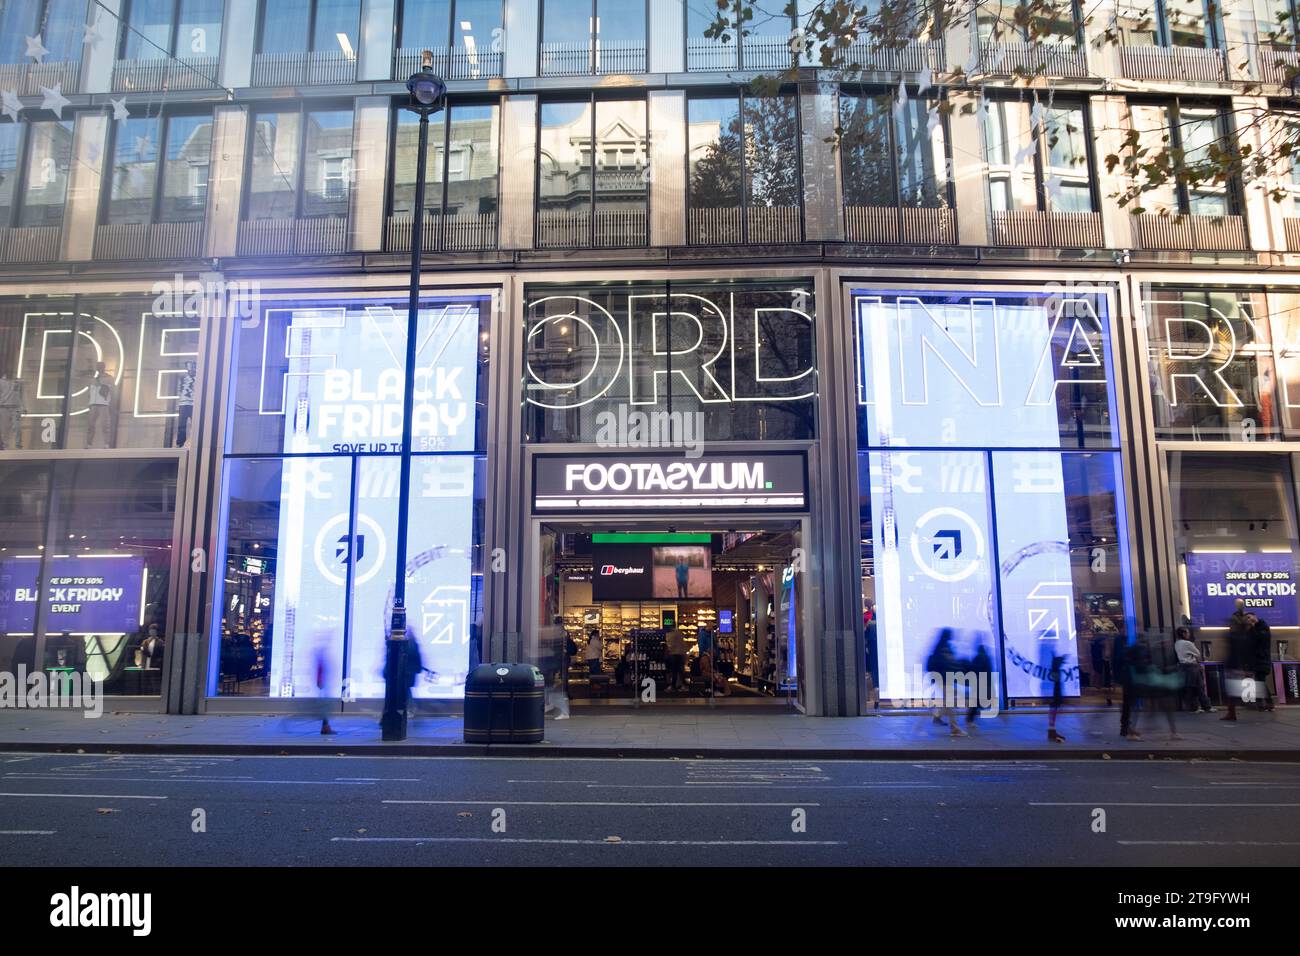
[609, 570]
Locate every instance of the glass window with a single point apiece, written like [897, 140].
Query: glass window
[199, 29]
[477, 27]
[310, 533]
[890, 154]
[134, 171]
[132, 371]
[1284, 320]
[620, 24]
[564, 194]
[185, 169]
[1200, 131]
[49, 156]
[744, 170]
[337, 26]
[715, 146]
[286, 26]
[112, 526]
[273, 177]
[1210, 364]
[984, 368]
[1235, 537]
[59, 23]
[591, 356]
[323, 376]
[1037, 156]
[148, 32]
[1022, 552]
[11, 147]
[425, 24]
[567, 22]
[327, 166]
[1013, 21]
[1190, 23]
[24, 502]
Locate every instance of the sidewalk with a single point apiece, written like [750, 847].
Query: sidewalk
[667, 732]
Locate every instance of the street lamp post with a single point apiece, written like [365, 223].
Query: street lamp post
[427, 93]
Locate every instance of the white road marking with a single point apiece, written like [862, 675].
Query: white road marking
[27, 832]
[381, 779]
[779, 786]
[585, 803]
[89, 796]
[65, 776]
[1203, 843]
[1110, 803]
[553, 781]
[588, 842]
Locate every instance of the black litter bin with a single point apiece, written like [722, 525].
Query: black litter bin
[504, 704]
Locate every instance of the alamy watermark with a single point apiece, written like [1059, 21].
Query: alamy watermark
[39, 690]
[956, 689]
[631, 428]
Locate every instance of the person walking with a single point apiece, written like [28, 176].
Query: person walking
[1189, 662]
[941, 667]
[981, 665]
[552, 652]
[1240, 663]
[1122, 653]
[1056, 675]
[1261, 643]
[594, 652]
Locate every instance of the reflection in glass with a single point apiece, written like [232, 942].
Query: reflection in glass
[185, 169]
[49, 156]
[134, 170]
[327, 163]
[1211, 365]
[587, 359]
[273, 177]
[11, 147]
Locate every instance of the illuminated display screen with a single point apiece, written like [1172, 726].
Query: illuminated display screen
[97, 594]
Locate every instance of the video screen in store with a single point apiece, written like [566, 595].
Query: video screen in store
[681, 571]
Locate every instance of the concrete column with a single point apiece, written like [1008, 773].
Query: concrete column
[522, 24]
[667, 39]
[237, 32]
[667, 168]
[375, 57]
[1110, 121]
[81, 210]
[960, 48]
[1240, 38]
[97, 59]
[969, 170]
[226, 179]
[821, 166]
[518, 171]
[370, 169]
[1103, 56]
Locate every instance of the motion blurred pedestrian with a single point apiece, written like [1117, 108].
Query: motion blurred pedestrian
[942, 668]
[1240, 664]
[1189, 662]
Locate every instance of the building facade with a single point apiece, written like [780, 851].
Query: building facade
[892, 348]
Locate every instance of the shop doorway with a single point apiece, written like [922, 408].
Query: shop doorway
[687, 614]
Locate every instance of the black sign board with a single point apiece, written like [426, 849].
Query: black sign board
[760, 482]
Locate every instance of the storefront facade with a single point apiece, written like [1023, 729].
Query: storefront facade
[1009, 458]
[938, 379]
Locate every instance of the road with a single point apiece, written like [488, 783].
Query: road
[156, 810]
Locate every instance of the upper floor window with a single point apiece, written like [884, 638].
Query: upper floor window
[34, 161]
[1038, 157]
[59, 24]
[1170, 23]
[461, 176]
[159, 170]
[591, 164]
[743, 155]
[593, 36]
[1190, 134]
[300, 164]
[466, 37]
[161, 29]
[1018, 21]
[894, 159]
[757, 37]
[319, 26]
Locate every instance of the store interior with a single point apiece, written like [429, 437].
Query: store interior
[702, 615]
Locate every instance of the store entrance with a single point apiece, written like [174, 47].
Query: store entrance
[672, 614]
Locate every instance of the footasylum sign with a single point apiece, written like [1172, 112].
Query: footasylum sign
[774, 481]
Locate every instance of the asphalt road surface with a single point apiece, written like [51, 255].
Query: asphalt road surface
[334, 811]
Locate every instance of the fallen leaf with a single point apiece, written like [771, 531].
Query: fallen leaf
[362, 830]
[465, 813]
[613, 839]
[105, 810]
